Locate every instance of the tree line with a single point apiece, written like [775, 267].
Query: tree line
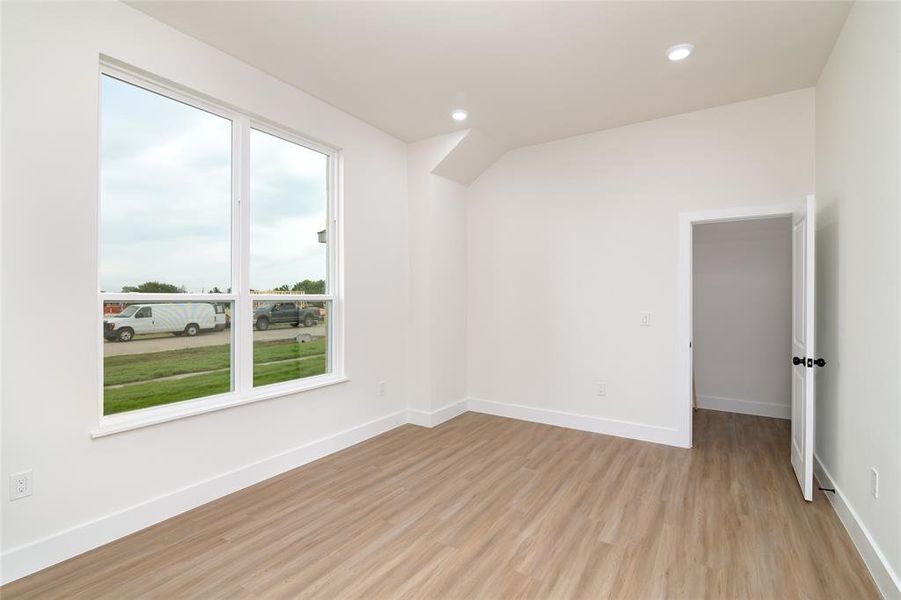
[307, 286]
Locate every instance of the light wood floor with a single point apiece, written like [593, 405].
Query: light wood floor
[485, 507]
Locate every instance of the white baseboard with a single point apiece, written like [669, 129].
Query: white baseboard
[626, 429]
[437, 417]
[886, 579]
[34, 556]
[745, 407]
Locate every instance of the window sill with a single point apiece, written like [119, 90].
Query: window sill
[180, 410]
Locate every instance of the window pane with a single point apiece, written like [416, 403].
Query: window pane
[290, 341]
[288, 216]
[158, 353]
[165, 194]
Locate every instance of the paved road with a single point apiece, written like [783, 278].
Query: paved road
[160, 343]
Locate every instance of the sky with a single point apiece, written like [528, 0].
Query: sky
[166, 198]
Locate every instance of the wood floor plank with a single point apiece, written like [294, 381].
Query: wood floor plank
[486, 507]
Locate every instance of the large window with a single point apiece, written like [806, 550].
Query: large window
[218, 253]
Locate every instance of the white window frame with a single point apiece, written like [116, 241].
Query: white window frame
[243, 391]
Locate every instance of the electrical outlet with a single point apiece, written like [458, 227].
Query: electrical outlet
[20, 485]
[874, 482]
[602, 389]
[382, 387]
[645, 319]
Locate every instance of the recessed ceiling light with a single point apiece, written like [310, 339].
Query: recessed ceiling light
[459, 115]
[679, 52]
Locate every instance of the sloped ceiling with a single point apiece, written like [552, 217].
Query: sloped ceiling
[527, 72]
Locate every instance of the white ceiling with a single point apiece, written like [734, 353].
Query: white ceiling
[527, 72]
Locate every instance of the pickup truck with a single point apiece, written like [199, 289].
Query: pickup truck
[284, 312]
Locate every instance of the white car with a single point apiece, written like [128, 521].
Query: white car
[189, 318]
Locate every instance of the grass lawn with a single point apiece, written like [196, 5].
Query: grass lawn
[304, 360]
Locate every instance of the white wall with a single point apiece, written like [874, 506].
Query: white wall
[570, 241]
[50, 381]
[438, 275]
[448, 291]
[742, 316]
[857, 127]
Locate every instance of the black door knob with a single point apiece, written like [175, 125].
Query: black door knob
[797, 361]
[820, 362]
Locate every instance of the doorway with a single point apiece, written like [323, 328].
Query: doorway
[742, 311]
[800, 356]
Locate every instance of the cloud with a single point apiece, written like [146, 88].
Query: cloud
[166, 197]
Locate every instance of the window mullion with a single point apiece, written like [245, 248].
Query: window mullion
[243, 334]
[334, 278]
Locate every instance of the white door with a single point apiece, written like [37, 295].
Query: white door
[803, 349]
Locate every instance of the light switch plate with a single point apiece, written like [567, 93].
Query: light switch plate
[645, 319]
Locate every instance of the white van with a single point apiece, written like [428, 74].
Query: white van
[180, 319]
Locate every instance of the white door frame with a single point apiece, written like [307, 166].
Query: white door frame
[686, 305]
